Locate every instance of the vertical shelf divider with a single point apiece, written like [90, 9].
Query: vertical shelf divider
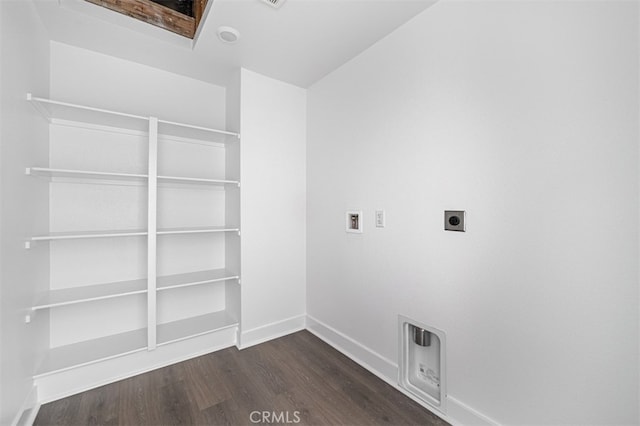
[151, 237]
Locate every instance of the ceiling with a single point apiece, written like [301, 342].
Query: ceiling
[298, 43]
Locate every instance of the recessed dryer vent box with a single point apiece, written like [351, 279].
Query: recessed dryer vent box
[354, 221]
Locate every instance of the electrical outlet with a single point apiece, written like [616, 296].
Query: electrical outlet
[380, 219]
[454, 220]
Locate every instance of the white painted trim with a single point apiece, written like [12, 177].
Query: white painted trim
[459, 414]
[152, 197]
[33, 413]
[465, 415]
[369, 359]
[271, 331]
[28, 410]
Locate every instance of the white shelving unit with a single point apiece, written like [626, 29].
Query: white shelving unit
[163, 326]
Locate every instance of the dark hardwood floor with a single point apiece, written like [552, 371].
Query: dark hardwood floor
[297, 379]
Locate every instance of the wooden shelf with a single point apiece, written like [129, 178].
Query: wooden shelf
[91, 351]
[195, 326]
[194, 278]
[71, 296]
[87, 174]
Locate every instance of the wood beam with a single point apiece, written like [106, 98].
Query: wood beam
[155, 14]
[199, 6]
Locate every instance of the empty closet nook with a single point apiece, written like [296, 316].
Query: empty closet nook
[142, 242]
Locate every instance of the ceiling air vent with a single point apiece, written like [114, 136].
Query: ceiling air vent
[274, 3]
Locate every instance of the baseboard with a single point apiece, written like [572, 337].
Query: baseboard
[372, 361]
[465, 415]
[28, 410]
[56, 386]
[458, 413]
[66, 383]
[271, 331]
[70, 382]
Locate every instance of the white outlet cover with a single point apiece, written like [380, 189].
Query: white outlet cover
[380, 219]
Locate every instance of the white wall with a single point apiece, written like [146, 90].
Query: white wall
[24, 49]
[85, 77]
[273, 178]
[524, 114]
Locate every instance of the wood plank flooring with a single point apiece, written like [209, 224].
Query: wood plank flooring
[297, 379]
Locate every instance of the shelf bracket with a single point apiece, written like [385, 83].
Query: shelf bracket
[29, 316]
[42, 110]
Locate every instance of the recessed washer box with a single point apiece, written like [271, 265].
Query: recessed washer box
[454, 220]
[354, 221]
[422, 367]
